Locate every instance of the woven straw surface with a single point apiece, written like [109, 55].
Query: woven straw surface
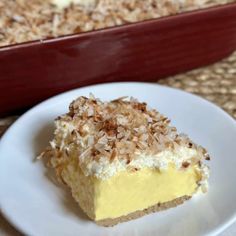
[216, 83]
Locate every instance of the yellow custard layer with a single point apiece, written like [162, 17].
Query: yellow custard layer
[129, 191]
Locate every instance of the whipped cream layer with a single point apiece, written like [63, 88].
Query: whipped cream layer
[66, 3]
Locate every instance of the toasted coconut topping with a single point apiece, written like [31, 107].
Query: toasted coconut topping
[107, 137]
[24, 20]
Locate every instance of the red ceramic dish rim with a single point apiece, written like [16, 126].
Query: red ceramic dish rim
[114, 28]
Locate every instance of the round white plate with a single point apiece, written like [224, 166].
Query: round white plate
[37, 206]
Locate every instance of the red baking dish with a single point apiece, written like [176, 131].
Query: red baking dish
[143, 51]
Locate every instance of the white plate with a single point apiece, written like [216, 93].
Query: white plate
[36, 206]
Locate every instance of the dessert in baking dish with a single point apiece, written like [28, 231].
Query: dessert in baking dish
[122, 160]
[23, 20]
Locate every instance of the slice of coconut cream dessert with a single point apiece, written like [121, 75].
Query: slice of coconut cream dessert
[122, 160]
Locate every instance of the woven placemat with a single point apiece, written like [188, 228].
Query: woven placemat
[216, 83]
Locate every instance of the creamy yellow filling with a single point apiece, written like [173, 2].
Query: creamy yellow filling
[128, 191]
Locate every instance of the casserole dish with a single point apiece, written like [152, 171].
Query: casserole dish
[143, 51]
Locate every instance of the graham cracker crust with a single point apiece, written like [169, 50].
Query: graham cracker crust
[137, 214]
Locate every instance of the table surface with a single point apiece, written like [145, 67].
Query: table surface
[216, 83]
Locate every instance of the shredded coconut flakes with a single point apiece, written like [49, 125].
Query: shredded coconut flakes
[23, 20]
[119, 135]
